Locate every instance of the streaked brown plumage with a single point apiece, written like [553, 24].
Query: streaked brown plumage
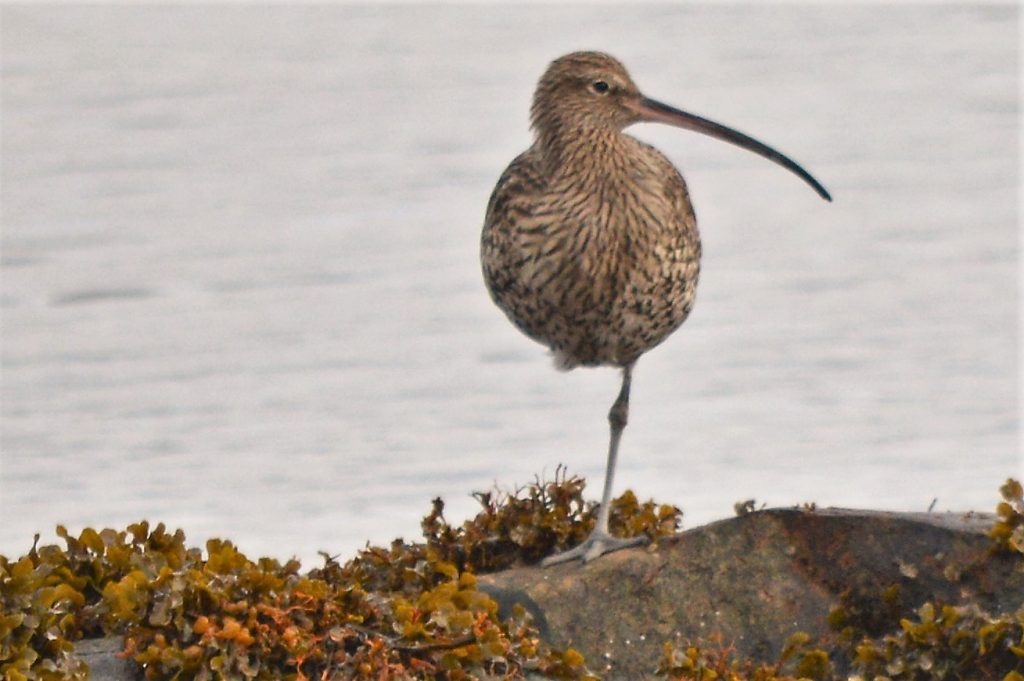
[590, 244]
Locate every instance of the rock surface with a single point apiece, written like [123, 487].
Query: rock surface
[105, 664]
[752, 581]
[755, 580]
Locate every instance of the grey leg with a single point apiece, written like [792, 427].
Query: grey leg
[600, 541]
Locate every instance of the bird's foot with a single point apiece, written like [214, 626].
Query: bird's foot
[594, 546]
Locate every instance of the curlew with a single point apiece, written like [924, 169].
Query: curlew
[590, 244]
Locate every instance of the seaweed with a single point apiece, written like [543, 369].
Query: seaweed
[712, 661]
[1008, 530]
[523, 526]
[413, 610]
[403, 611]
[946, 642]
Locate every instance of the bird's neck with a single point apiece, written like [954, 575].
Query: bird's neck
[582, 152]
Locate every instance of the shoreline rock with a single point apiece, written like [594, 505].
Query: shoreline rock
[748, 582]
[753, 581]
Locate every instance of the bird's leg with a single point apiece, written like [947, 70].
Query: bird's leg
[600, 541]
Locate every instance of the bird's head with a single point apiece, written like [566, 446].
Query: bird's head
[584, 90]
[592, 91]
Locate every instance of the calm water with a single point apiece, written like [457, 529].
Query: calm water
[241, 292]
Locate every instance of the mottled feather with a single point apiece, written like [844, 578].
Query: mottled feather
[590, 244]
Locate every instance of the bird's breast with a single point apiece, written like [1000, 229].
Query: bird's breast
[600, 264]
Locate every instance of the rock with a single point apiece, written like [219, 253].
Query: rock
[755, 580]
[749, 582]
[101, 654]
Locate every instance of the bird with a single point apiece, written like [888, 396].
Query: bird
[590, 243]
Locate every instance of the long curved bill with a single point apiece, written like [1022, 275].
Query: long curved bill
[653, 111]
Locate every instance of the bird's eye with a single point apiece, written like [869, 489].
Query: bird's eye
[599, 86]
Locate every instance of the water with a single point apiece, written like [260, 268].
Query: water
[241, 292]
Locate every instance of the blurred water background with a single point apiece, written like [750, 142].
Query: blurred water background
[241, 292]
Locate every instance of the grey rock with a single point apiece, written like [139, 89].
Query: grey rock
[105, 664]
